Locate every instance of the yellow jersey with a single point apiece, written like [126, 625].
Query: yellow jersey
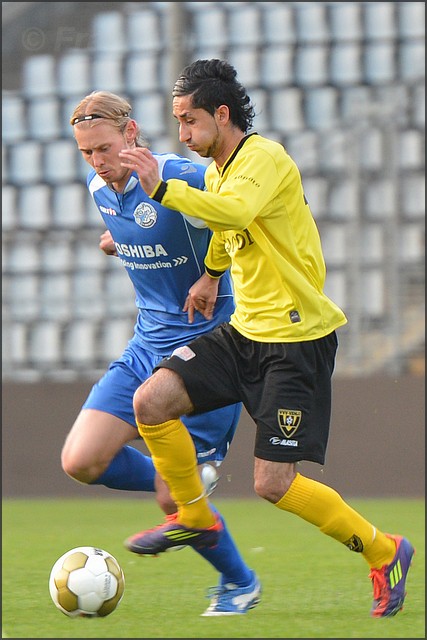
[265, 233]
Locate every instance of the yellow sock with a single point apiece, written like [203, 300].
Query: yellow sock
[174, 457]
[323, 506]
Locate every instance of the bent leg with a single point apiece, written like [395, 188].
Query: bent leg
[95, 452]
[158, 403]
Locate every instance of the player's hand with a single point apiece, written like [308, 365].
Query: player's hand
[202, 297]
[142, 161]
[106, 244]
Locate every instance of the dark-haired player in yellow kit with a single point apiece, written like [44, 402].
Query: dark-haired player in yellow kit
[276, 354]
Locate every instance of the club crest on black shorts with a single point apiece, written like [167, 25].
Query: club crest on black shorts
[289, 421]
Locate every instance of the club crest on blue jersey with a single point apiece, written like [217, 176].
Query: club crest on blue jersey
[145, 215]
[289, 421]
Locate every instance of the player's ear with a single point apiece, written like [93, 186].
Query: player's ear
[222, 114]
[131, 131]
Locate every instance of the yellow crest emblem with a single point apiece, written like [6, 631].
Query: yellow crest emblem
[289, 421]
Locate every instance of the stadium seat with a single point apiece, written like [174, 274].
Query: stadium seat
[336, 287]
[302, 146]
[244, 25]
[88, 294]
[411, 145]
[56, 252]
[316, 192]
[345, 64]
[379, 21]
[23, 301]
[246, 59]
[346, 22]
[335, 243]
[114, 80]
[278, 24]
[119, 292]
[311, 22]
[34, 208]
[45, 347]
[411, 245]
[311, 65]
[114, 337]
[60, 161]
[379, 63]
[149, 111]
[39, 76]
[13, 117]
[74, 76]
[68, 206]
[286, 110]
[379, 202]
[373, 297]
[141, 73]
[44, 118]
[15, 352]
[108, 33]
[23, 254]
[413, 196]
[321, 108]
[411, 19]
[9, 197]
[260, 100]
[276, 66]
[371, 146]
[372, 244]
[55, 296]
[143, 31]
[88, 255]
[343, 199]
[355, 103]
[411, 61]
[80, 343]
[210, 27]
[25, 163]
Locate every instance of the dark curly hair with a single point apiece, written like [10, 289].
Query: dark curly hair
[212, 83]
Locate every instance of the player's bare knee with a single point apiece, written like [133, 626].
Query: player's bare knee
[77, 470]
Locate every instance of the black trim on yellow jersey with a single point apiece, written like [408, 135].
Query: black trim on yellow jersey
[214, 274]
[236, 151]
[160, 192]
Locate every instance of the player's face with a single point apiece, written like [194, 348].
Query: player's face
[100, 144]
[197, 128]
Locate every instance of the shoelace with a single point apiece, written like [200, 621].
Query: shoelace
[218, 590]
[172, 517]
[379, 582]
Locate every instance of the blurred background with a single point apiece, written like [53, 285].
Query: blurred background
[340, 84]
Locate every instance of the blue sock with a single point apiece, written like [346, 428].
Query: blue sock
[130, 470]
[226, 559]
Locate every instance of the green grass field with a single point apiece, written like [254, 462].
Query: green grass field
[312, 586]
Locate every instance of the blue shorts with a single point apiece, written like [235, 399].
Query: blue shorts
[212, 432]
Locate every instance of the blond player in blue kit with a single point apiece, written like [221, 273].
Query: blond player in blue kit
[163, 254]
[277, 352]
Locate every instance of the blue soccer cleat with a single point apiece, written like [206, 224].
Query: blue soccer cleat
[389, 581]
[173, 534]
[230, 600]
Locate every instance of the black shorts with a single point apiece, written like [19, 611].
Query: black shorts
[285, 388]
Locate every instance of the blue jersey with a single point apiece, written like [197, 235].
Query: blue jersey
[163, 253]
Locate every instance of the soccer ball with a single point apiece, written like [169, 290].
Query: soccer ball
[86, 582]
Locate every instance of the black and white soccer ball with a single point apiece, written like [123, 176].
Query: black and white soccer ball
[86, 582]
